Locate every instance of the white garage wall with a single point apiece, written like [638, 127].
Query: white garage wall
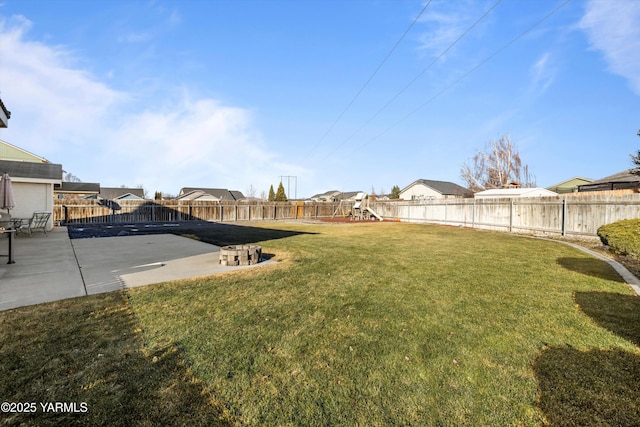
[32, 197]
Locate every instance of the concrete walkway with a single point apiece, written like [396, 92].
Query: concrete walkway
[54, 267]
[626, 275]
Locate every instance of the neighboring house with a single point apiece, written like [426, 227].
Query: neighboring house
[92, 190]
[76, 190]
[222, 194]
[335, 196]
[424, 189]
[569, 185]
[514, 193]
[121, 193]
[5, 115]
[350, 196]
[237, 195]
[33, 179]
[624, 180]
[197, 195]
[328, 196]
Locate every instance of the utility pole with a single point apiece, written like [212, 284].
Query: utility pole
[289, 185]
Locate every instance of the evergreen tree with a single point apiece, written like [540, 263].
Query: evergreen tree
[280, 194]
[395, 192]
[636, 162]
[272, 194]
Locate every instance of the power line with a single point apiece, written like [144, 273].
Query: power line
[370, 119]
[458, 80]
[368, 80]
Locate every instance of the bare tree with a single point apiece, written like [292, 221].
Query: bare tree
[498, 166]
[69, 177]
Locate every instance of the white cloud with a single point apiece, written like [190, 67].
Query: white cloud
[197, 143]
[99, 134]
[543, 74]
[52, 103]
[612, 28]
[135, 37]
[446, 21]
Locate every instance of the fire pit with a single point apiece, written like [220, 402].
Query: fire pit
[240, 255]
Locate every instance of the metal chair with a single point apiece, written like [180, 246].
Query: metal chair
[38, 221]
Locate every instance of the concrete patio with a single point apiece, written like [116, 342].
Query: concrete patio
[53, 267]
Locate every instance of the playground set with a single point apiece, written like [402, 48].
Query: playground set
[357, 210]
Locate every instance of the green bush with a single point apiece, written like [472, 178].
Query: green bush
[622, 237]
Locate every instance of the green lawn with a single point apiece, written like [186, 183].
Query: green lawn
[359, 324]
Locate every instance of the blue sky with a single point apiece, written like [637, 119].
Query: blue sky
[235, 94]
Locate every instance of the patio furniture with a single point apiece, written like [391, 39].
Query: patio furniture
[5, 221]
[38, 221]
[10, 233]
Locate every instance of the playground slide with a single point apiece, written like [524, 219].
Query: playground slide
[374, 213]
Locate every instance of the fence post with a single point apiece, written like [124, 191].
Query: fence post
[445, 211]
[511, 217]
[473, 214]
[564, 216]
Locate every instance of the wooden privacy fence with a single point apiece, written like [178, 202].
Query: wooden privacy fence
[143, 211]
[577, 215]
[571, 215]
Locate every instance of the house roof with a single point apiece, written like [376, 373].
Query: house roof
[330, 193]
[220, 193]
[348, 195]
[78, 187]
[569, 185]
[335, 195]
[442, 187]
[618, 181]
[116, 193]
[5, 115]
[515, 192]
[197, 195]
[624, 176]
[237, 195]
[50, 171]
[568, 182]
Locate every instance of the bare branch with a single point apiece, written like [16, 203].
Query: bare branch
[498, 166]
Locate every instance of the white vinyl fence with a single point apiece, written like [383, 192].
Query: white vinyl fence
[571, 215]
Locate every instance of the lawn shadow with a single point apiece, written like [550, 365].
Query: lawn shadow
[590, 266]
[585, 388]
[595, 387]
[216, 233]
[618, 313]
[221, 234]
[89, 353]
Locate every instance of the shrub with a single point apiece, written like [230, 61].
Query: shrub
[622, 237]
